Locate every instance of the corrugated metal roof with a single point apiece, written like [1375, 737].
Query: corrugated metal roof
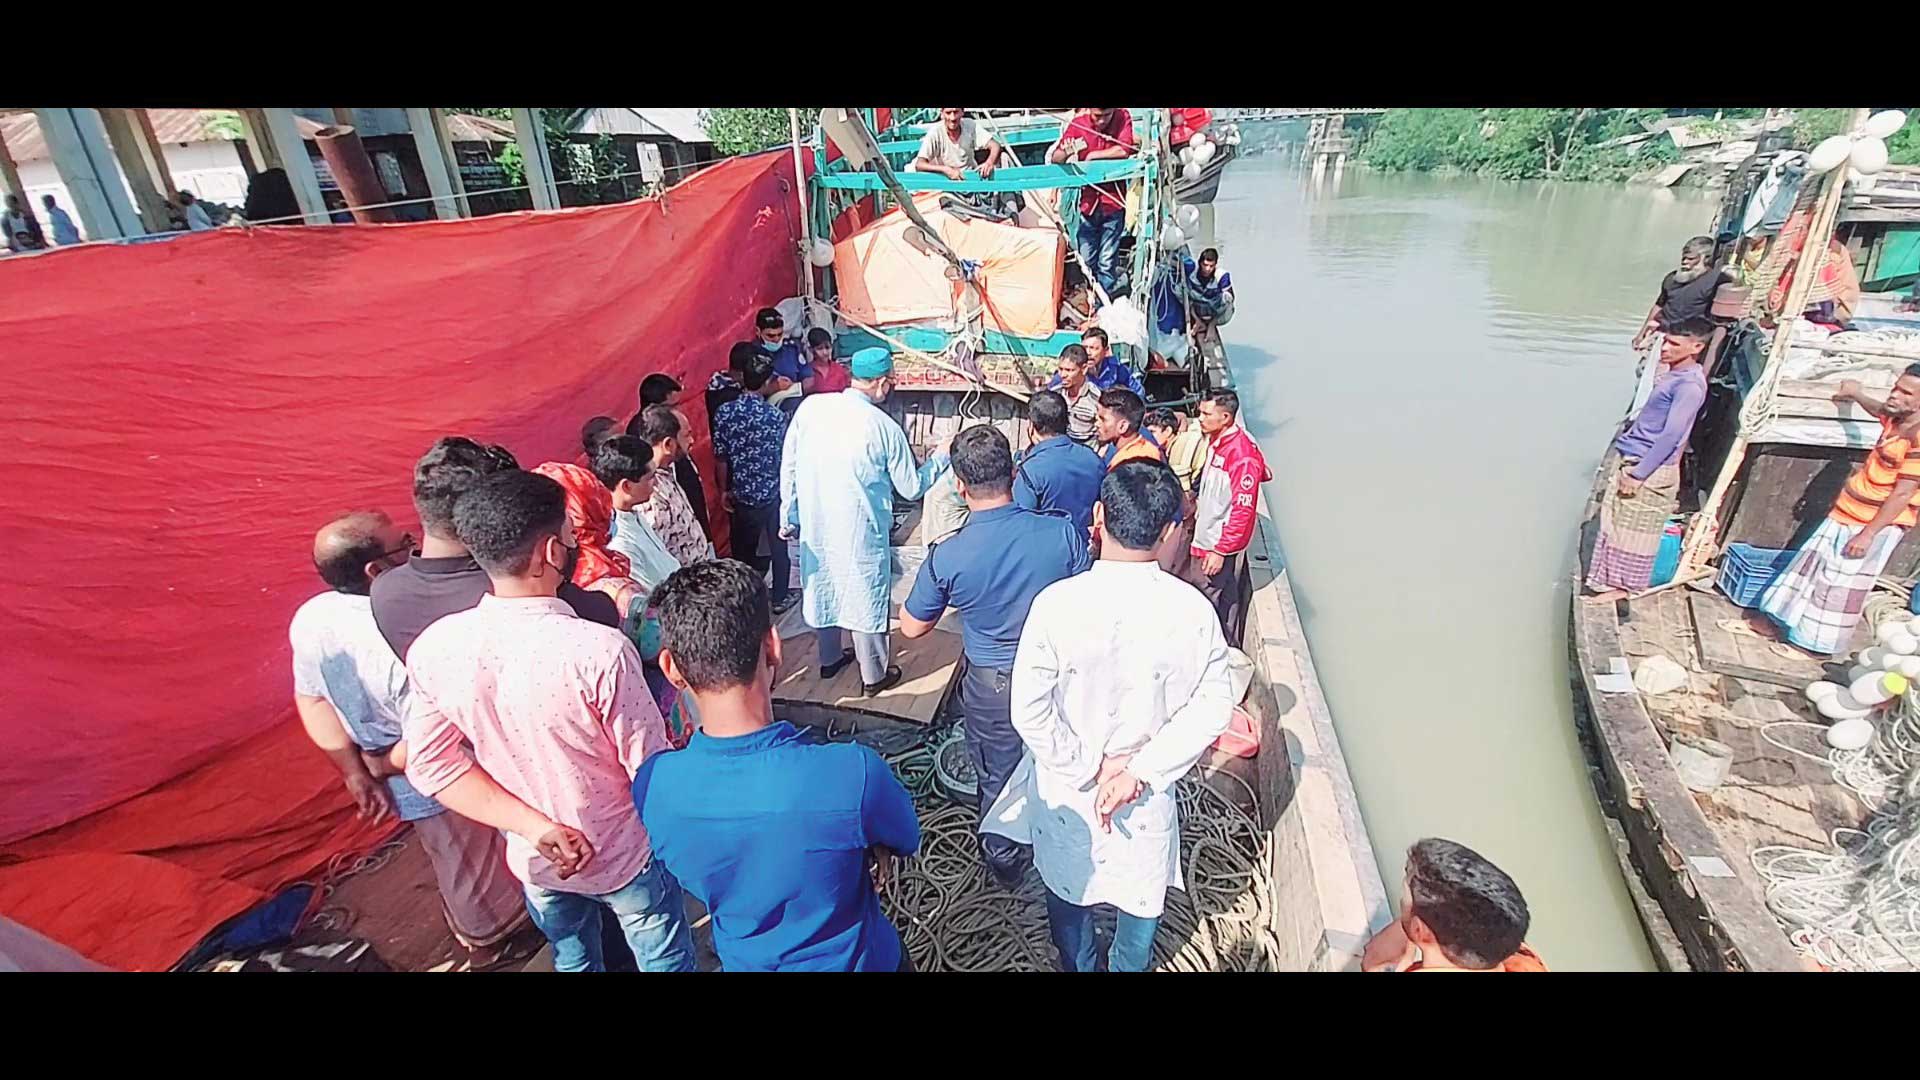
[25, 142]
[682, 125]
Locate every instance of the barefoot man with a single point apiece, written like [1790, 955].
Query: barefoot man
[1816, 602]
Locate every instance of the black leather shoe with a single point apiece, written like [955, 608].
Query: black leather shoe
[828, 671]
[891, 680]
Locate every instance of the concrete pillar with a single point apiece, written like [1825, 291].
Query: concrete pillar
[155, 153]
[437, 164]
[85, 161]
[533, 152]
[9, 172]
[284, 135]
[123, 131]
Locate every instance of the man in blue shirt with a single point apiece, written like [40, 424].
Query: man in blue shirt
[784, 839]
[1104, 369]
[991, 570]
[747, 435]
[1057, 473]
[789, 357]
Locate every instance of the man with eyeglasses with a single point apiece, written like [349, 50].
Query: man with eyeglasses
[350, 691]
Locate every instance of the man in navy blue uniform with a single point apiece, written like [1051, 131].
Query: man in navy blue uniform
[991, 570]
[1057, 473]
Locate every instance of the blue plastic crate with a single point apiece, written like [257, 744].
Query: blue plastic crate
[1746, 571]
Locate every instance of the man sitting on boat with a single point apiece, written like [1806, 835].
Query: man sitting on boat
[1817, 600]
[1099, 135]
[1458, 912]
[843, 462]
[1120, 683]
[952, 146]
[1208, 292]
[1645, 465]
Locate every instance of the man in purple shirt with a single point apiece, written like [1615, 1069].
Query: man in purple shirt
[1645, 466]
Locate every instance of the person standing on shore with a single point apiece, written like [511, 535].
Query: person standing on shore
[1458, 912]
[1120, 684]
[784, 838]
[1816, 601]
[1645, 466]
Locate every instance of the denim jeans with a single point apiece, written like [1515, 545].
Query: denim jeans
[986, 710]
[1098, 241]
[651, 911]
[1071, 927]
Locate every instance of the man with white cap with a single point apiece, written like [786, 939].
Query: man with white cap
[843, 463]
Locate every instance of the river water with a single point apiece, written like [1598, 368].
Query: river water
[1433, 366]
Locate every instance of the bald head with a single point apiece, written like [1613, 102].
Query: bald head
[351, 550]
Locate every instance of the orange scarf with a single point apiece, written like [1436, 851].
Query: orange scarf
[590, 512]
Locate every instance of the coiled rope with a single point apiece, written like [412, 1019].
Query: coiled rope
[953, 915]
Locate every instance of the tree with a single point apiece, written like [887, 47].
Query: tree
[747, 131]
[1513, 144]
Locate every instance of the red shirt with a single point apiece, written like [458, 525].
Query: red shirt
[1117, 132]
[831, 377]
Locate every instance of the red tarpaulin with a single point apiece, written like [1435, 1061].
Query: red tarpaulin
[180, 417]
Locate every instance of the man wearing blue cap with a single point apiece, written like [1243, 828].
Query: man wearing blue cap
[842, 465]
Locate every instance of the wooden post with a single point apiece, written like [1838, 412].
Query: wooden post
[10, 172]
[439, 118]
[155, 152]
[253, 122]
[1704, 529]
[123, 132]
[533, 158]
[437, 164]
[806, 223]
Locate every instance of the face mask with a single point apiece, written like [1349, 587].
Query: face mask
[566, 568]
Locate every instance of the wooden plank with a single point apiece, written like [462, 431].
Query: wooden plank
[928, 666]
[1744, 655]
[1722, 922]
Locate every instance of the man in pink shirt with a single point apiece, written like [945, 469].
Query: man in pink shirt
[533, 720]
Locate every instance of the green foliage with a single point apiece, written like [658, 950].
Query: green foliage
[1514, 144]
[1903, 148]
[224, 123]
[1811, 127]
[747, 131]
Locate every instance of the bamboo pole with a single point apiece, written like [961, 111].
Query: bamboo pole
[1705, 527]
[806, 223]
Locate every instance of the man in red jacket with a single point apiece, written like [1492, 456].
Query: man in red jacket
[1227, 501]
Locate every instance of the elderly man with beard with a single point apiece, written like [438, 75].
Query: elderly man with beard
[1816, 602]
[1685, 294]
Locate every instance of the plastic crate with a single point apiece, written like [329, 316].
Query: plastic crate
[1746, 571]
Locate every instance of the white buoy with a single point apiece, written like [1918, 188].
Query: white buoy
[1173, 239]
[1890, 660]
[1830, 153]
[1913, 626]
[1822, 690]
[1872, 655]
[1186, 155]
[1909, 666]
[1856, 671]
[1191, 172]
[1204, 154]
[1877, 686]
[1842, 708]
[1869, 155]
[1853, 733]
[1882, 125]
[1903, 643]
[820, 253]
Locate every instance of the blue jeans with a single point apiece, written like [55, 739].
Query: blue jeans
[651, 911]
[1098, 241]
[1071, 927]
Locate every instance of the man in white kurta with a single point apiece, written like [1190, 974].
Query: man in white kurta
[843, 462]
[1119, 686]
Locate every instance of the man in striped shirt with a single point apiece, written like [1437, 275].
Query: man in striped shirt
[1816, 602]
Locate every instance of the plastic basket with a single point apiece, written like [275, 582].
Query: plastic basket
[1746, 571]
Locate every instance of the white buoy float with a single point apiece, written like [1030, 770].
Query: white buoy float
[1853, 733]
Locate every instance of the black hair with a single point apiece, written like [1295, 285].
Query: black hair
[1210, 255]
[1697, 327]
[656, 422]
[1160, 417]
[818, 336]
[595, 430]
[656, 388]
[714, 619]
[1074, 354]
[758, 370]
[185, 197]
[1047, 412]
[353, 541]
[740, 354]
[1126, 403]
[767, 318]
[1094, 331]
[504, 517]
[1141, 498]
[1226, 399]
[448, 468]
[983, 460]
[1913, 370]
[621, 457]
[1474, 909]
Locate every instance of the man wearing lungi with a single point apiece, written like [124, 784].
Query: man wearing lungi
[1645, 466]
[1817, 600]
